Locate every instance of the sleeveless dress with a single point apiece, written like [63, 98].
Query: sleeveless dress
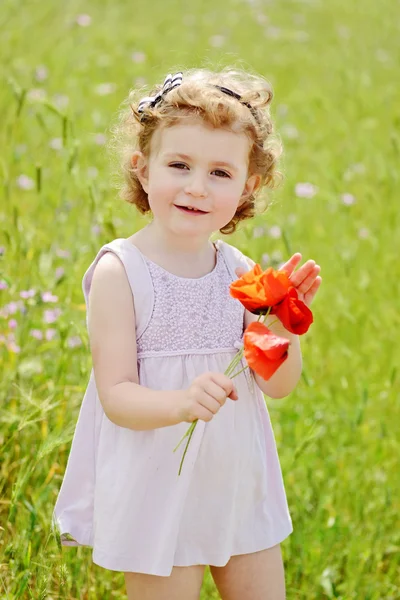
[121, 493]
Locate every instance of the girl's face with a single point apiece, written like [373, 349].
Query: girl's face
[194, 165]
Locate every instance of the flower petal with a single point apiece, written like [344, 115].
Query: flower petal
[263, 350]
[295, 316]
[257, 290]
[276, 285]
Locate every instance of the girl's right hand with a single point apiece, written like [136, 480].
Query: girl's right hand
[207, 393]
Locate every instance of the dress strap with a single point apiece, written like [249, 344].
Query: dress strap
[234, 258]
[138, 276]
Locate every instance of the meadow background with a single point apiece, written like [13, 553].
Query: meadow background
[334, 67]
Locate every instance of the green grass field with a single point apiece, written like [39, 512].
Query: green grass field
[66, 67]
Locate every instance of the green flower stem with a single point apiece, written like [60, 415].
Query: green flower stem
[189, 431]
[244, 368]
[267, 313]
[273, 322]
[230, 368]
[236, 359]
[192, 427]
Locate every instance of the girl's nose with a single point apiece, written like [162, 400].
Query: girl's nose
[196, 187]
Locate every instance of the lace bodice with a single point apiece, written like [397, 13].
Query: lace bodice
[191, 314]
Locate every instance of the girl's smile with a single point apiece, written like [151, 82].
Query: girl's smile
[191, 211]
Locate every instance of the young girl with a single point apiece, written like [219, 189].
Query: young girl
[163, 329]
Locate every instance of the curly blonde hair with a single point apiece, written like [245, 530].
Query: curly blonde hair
[198, 96]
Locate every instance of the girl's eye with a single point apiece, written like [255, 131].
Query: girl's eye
[223, 173]
[178, 165]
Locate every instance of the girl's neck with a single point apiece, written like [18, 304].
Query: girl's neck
[186, 257]
[191, 248]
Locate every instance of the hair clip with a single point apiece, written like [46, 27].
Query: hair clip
[170, 82]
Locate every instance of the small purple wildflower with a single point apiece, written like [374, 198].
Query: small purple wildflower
[12, 308]
[12, 323]
[63, 253]
[41, 73]
[92, 172]
[275, 232]
[103, 89]
[36, 333]
[217, 41]
[13, 347]
[50, 334]
[259, 231]
[74, 342]
[56, 144]
[100, 139]
[282, 110]
[348, 199]
[138, 57]
[25, 294]
[265, 258]
[289, 131]
[354, 169]
[305, 190]
[50, 316]
[61, 101]
[48, 297]
[37, 94]
[3, 284]
[25, 183]
[83, 20]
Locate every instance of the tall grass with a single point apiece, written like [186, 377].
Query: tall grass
[334, 69]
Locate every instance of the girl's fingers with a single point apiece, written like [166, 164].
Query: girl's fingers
[291, 264]
[310, 295]
[309, 279]
[316, 284]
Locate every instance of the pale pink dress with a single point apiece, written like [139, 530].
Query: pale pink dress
[121, 493]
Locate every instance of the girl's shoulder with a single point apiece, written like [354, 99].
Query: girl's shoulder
[137, 274]
[125, 251]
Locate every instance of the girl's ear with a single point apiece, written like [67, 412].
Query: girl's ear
[140, 166]
[251, 186]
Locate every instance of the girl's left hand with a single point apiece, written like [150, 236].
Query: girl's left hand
[305, 280]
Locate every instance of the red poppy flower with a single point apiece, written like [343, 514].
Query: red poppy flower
[295, 316]
[263, 350]
[257, 290]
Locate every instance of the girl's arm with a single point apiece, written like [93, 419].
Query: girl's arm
[111, 326]
[285, 379]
